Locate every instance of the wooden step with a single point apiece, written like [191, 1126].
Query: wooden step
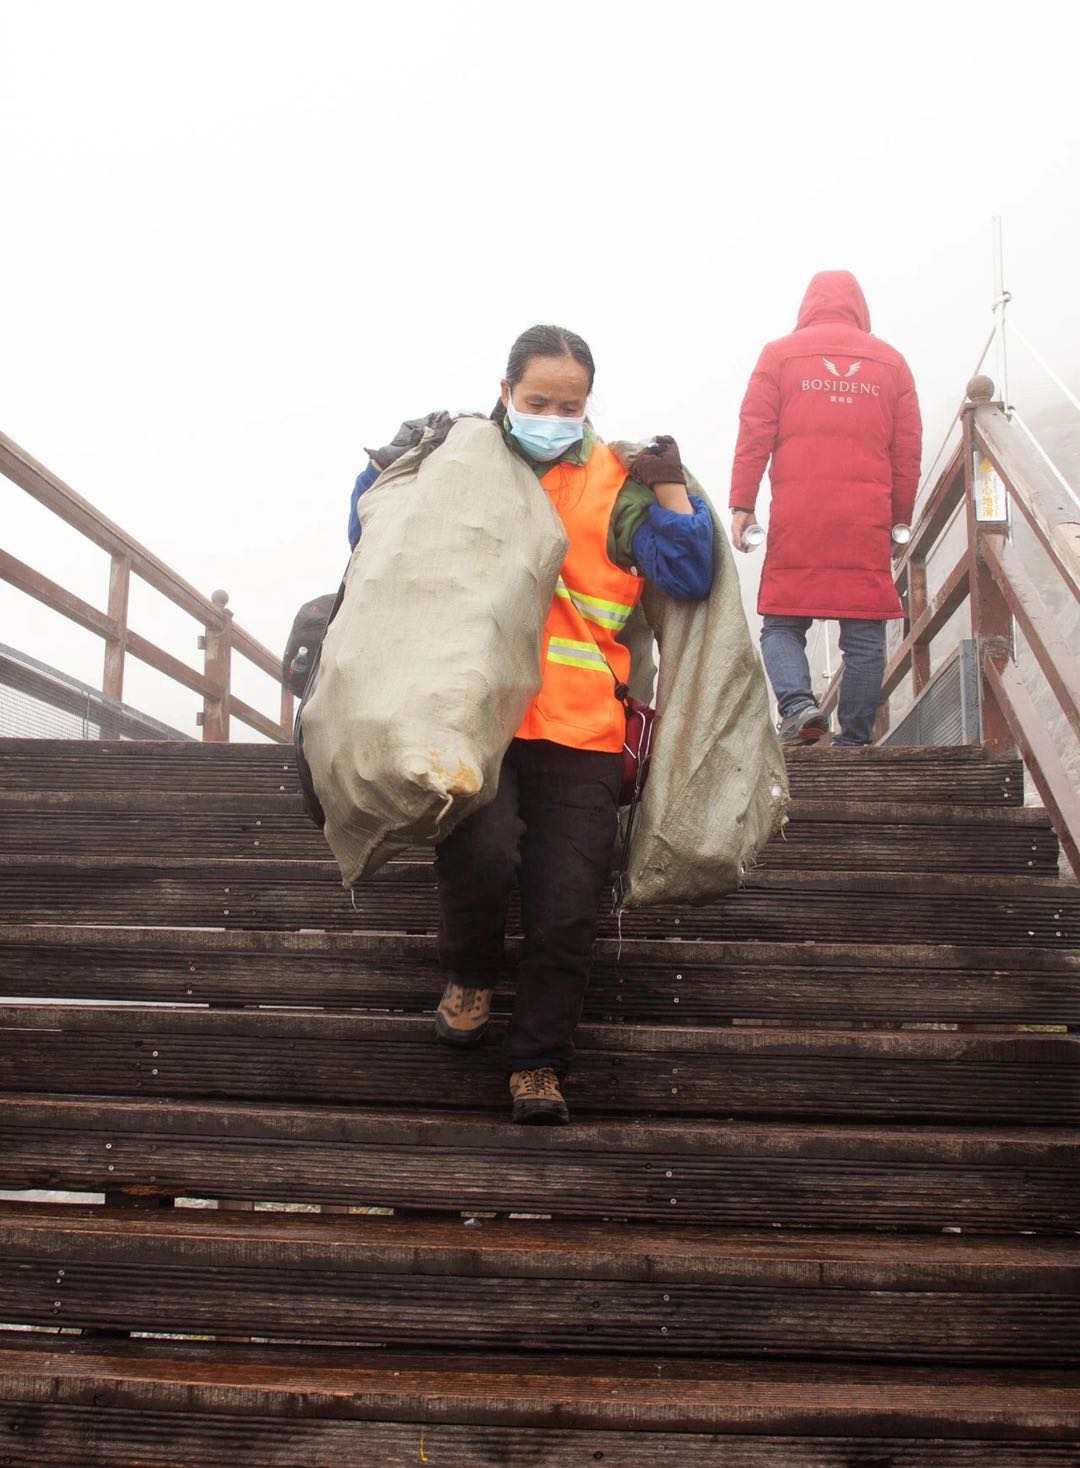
[175, 1405]
[726, 1174]
[829, 907]
[821, 834]
[661, 981]
[331, 1058]
[963, 773]
[560, 1286]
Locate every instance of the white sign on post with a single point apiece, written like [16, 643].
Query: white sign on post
[990, 494]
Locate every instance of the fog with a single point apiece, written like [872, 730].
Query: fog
[241, 241]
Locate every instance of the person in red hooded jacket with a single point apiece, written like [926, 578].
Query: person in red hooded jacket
[836, 411]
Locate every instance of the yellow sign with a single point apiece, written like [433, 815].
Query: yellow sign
[990, 494]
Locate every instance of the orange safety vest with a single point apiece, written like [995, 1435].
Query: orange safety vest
[576, 705]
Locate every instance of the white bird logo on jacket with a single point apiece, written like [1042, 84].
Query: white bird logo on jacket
[835, 370]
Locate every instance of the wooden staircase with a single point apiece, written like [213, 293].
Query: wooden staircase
[818, 1208]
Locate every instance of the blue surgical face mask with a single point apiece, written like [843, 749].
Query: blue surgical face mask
[544, 436]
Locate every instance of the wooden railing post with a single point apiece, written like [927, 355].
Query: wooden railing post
[112, 681]
[217, 667]
[916, 607]
[288, 711]
[991, 619]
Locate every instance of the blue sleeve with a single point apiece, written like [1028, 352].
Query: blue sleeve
[676, 551]
[364, 482]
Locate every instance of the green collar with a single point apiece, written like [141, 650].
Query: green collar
[578, 453]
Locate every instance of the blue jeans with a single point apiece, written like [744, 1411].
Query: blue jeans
[783, 648]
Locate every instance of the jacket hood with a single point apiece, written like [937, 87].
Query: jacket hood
[834, 295]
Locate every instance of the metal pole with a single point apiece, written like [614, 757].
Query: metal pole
[1001, 300]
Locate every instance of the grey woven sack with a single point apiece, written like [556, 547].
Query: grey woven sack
[717, 786]
[433, 657]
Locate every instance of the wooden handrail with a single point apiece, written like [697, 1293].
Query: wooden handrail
[1060, 666]
[1058, 791]
[127, 557]
[51, 594]
[1000, 589]
[1053, 518]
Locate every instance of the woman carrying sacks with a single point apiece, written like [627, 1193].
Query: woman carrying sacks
[552, 825]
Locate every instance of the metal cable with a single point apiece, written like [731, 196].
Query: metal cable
[1045, 365]
[1047, 460]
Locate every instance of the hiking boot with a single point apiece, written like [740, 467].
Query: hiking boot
[463, 1014]
[537, 1098]
[805, 726]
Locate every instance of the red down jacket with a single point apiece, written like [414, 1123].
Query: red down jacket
[836, 410]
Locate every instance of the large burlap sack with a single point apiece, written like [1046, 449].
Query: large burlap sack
[433, 655]
[717, 787]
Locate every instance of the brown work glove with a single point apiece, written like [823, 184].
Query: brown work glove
[659, 463]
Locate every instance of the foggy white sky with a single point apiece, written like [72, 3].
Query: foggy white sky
[238, 241]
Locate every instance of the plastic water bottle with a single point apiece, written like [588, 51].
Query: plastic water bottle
[753, 536]
[901, 534]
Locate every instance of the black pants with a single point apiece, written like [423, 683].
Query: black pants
[551, 828]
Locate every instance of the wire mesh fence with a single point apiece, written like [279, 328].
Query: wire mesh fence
[39, 702]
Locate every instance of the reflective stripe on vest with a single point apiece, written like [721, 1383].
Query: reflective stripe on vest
[577, 655]
[581, 659]
[612, 614]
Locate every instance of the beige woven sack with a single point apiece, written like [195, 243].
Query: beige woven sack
[433, 657]
[717, 787]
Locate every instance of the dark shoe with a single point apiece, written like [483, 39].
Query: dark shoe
[463, 1014]
[804, 726]
[537, 1098]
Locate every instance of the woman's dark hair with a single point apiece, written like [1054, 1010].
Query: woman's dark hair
[544, 341]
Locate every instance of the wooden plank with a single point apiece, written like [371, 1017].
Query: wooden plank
[832, 907]
[125, 1440]
[323, 1057]
[1057, 662]
[991, 620]
[216, 1405]
[552, 1287]
[288, 810]
[1034, 489]
[217, 666]
[916, 607]
[726, 1174]
[94, 1437]
[51, 594]
[543, 1250]
[112, 678]
[832, 834]
[964, 774]
[974, 849]
[660, 980]
[1028, 728]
